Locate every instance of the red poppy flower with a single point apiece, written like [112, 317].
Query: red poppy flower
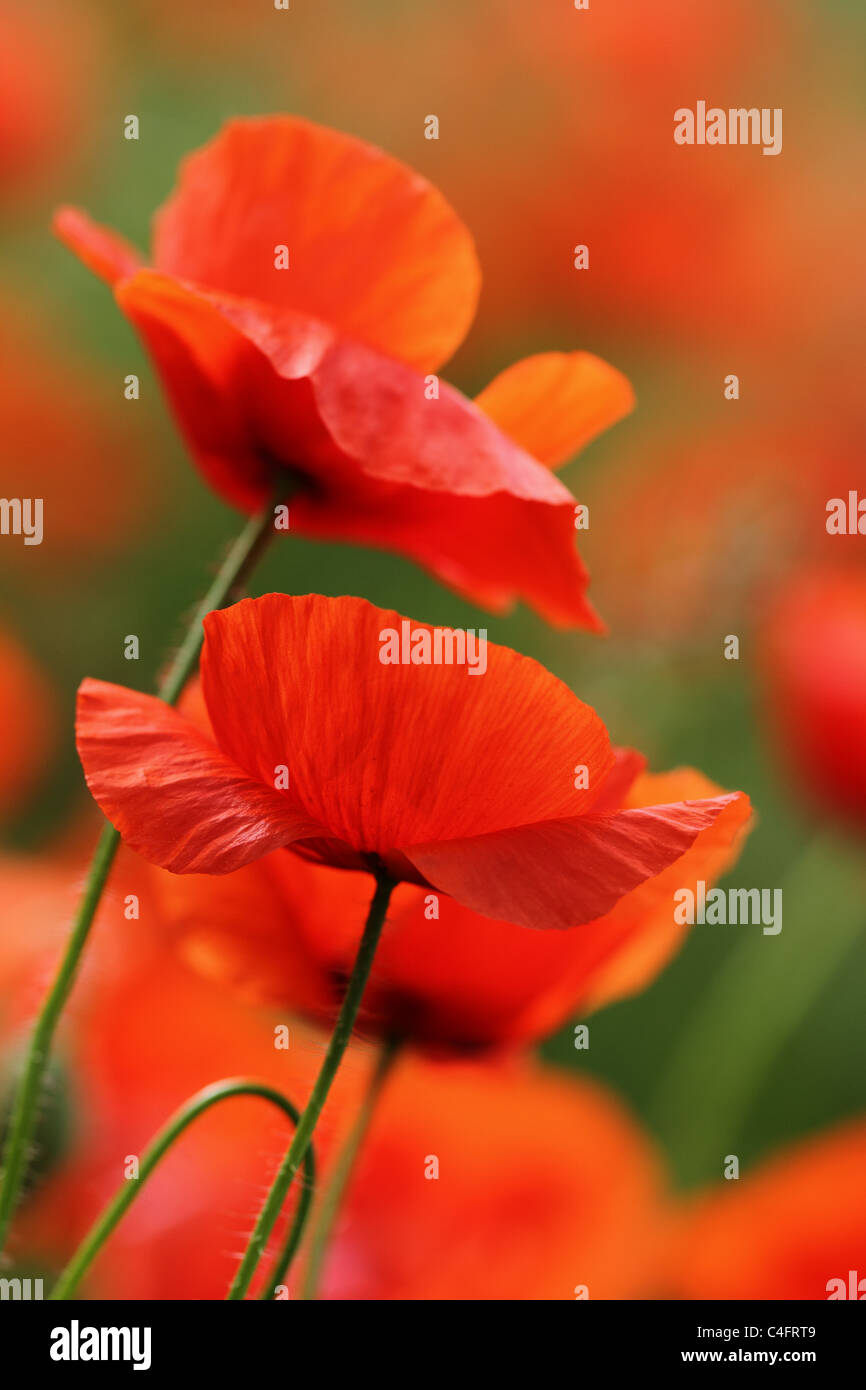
[795, 1228]
[51, 60]
[27, 722]
[305, 289]
[772, 481]
[814, 650]
[464, 784]
[287, 932]
[497, 1182]
[510, 1215]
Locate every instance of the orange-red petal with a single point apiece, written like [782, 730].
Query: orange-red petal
[104, 252]
[443, 974]
[255, 390]
[373, 248]
[562, 873]
[555, 403]
[175, 798]
[385, 756]
[627, 948]
[542, 1185]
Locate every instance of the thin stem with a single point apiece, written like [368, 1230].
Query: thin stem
[237, 564]
[332, 1197]
[242, 558]
[330, 1066]
[203, 1100]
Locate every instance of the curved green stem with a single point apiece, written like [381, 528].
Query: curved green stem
[181, 1120]
[235, 567]
[332, 1197]
[330, 1066]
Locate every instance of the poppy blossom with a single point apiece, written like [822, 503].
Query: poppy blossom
[793, 1228]
[673, 258]
[814, 660]
[509, 1215]
[673, 578]
[466, 785]
[286, 932]
[304, 290]
[46, 453]
[480, 1181]
[27, 722]
[51, 58]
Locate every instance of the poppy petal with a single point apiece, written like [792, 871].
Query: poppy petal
[246, 930]
[254, 389]
[627, 766]
[104, 252]
[633, 942]
[373, 249]
[387, 755]
[547, 1186]
[175, 798]
[554, 403]
[562, 873]
[204, 365]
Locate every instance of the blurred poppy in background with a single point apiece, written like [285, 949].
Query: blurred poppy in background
[793, 1228]
[28, 723]
[62, 436]
[481, 1181]
[502, 1212]
[287, 932]
[814, 667]
[49, 65]
[142, 1034]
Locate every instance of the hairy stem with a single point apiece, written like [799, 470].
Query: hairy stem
[237, 564]
[203, 1100]
[330, 1066]
[332, 1197]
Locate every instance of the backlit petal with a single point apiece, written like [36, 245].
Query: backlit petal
[560, 873]
[389, 755]
[373, 248]
[556, 402]
[175, 798]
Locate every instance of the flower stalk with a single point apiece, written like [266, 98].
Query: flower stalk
[119, 1205]
[237, 565]
[330, 1066]
[332, 1197]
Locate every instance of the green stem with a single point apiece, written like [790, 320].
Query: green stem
[330, 1066]
[237, 564]
[332, 1197]
[181, 1120]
